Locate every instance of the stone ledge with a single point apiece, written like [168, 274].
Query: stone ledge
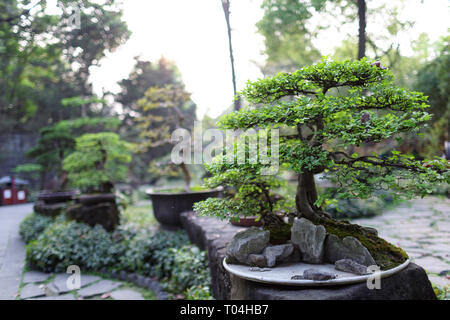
[213, 235]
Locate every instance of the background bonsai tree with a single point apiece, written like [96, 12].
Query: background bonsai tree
[58, 141]
[99, 160]
[163, 110]
[324, 110]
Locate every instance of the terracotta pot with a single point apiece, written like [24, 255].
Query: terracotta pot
[247, 222]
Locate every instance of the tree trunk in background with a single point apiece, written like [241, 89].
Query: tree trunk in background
[226, 11]
[362, 9]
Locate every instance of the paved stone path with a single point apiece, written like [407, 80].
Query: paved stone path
[36, 285]
[44, 286]
[422, 228]
[12, 249]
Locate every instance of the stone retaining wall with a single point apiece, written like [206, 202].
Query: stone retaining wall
[213, 235]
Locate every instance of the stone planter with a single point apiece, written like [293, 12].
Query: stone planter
[49, 197]
[167, 206]
[52, 203]
[95, 209]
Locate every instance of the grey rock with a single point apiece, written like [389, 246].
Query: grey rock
[316, 275]
[35, 276]
[101, 287]
[257, 260]
[123, 276]
[114, 274]
[252, 240]
[141, 281]
[351, 266]
[60, 297]
[279, 253]
[31, 291]
[126, 294]
[371, 230]
[132, 277]
[51, 290]
[347, 248]
[310, 240]
[297, 277]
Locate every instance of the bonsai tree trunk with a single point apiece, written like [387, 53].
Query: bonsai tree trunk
[187, 176]
[306, 196]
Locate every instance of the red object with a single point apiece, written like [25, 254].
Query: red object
[12, 194]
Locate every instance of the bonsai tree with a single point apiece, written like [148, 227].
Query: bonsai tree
[58, 141]
[163, 110]
[246, 193]
[99, 160]
[330, 107]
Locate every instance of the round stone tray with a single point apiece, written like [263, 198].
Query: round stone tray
[282, 274]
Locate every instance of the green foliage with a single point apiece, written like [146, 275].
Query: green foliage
[163, 110]
[434, 80]
[148, 254]
[291, 29]
[55, 244]
[98, 161]
[190, 273]
[328, 121]
[247, 191]
[43, 59]
[33, 225]
[58, 141]
[145, 75]
[71, 243]
[356, 208]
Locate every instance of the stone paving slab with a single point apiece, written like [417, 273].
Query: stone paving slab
[60, 297]
[31, 291]
[98, 288]
[12, 249]
[60, 281]
[422, 228]
[126, 294]
[35, 276]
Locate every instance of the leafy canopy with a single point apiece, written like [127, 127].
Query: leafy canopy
[99, 160]
[336, 104]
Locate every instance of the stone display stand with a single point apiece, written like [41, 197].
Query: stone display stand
[213, 235]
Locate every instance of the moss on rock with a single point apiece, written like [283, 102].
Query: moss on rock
[385, 254]
[279, 234]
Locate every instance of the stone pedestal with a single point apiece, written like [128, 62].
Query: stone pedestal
[213, 235]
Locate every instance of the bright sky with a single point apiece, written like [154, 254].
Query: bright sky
[193, 34]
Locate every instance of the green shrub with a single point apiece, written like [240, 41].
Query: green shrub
[166, 255]
[190, 269]
[356, 208]
[71, 243]
[33, 225]
[198, 293]
[149, 254]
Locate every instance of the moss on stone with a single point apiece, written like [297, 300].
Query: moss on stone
[385, 254]
[279, 234]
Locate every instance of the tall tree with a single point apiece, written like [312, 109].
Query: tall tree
[307, 20]
[226, 11]
[362, 29]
